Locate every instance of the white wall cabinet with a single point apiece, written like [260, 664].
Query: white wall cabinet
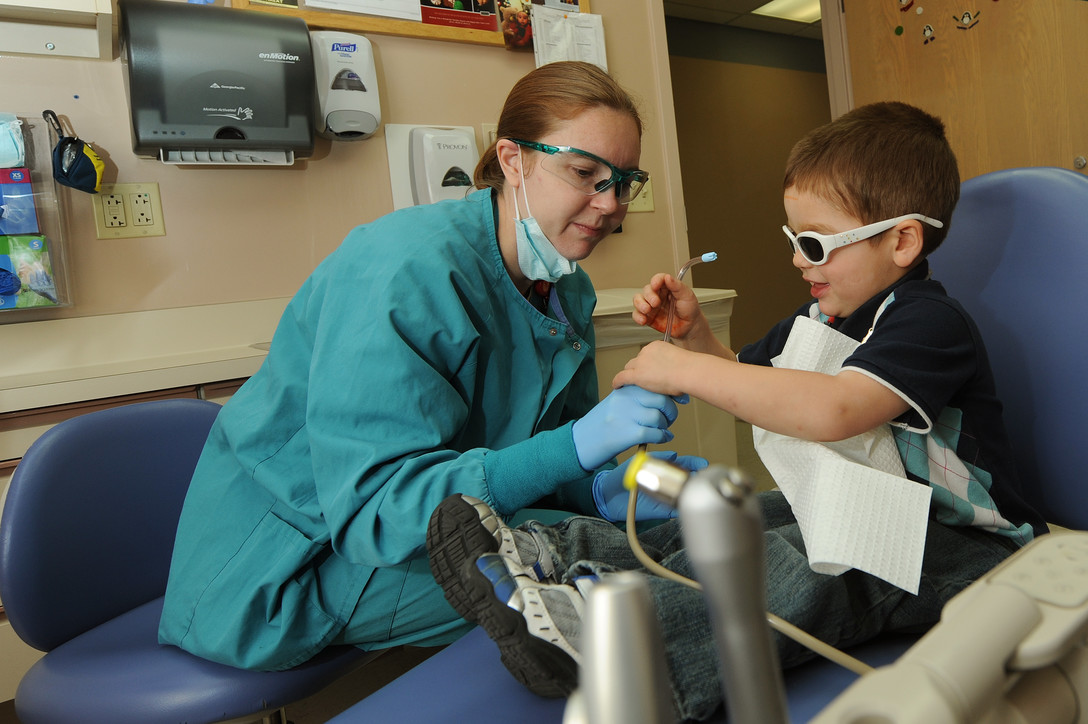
[71, 28]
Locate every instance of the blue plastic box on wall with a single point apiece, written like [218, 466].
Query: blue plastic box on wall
[27, 278]
[18, 214]
[33, 275]
[215, 85]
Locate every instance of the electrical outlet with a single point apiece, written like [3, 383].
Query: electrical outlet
[489, 131]
[128, 210]
[113, 211]
[142, 215]
[644, 201]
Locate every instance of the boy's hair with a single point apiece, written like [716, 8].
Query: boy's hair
[880, 161]
[543, 98]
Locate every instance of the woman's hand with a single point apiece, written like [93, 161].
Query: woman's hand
[625, 418]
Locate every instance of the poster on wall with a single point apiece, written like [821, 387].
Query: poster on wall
[562, 35]
[470, 14]
[515, 21]
[399, 9]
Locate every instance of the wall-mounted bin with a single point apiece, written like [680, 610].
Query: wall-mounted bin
[33, 278]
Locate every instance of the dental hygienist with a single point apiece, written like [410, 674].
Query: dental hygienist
[442, 349]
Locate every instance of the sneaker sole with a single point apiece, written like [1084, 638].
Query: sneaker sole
[455, 535]
[540, 666]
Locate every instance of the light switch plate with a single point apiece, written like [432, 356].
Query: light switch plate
[644, 201]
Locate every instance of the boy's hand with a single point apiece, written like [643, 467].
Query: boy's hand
[656, 369]
[651, 305]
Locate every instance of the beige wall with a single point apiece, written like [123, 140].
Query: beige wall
[239, 234]
[736, 124]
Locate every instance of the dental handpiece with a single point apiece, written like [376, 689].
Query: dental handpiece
[722, 528]
[623, 678]
[723, 536]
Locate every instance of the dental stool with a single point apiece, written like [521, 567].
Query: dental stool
[85, 545]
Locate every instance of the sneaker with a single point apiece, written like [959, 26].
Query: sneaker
[537, 626]
[463, 528]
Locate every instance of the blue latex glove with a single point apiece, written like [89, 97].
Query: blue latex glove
[629, 416]
[612, 497]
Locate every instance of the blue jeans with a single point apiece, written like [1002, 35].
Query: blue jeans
[843, 610]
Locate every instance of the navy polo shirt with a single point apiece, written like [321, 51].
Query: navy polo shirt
[926, 348]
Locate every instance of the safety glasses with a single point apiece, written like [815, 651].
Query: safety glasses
[816, 248]
[588, 173]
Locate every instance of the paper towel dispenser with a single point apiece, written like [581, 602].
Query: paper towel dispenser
[213, 85]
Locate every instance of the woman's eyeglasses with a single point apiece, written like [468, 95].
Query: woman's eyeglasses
[588, 173]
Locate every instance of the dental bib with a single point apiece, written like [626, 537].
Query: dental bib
[854, 505]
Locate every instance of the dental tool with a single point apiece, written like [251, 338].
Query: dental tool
[709, 256]
[620, 681]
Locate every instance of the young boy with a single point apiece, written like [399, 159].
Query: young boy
[867, 198]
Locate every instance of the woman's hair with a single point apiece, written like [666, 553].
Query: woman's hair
[552, 93]
[880, 161]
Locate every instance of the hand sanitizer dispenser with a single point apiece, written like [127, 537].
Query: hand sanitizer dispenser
[347, 86]
[442, 161]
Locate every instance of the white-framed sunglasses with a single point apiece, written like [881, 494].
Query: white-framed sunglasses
[816, 248]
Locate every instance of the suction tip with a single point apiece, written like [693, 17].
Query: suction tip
[710, 256]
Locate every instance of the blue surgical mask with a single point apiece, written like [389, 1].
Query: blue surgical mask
[12, 148]
[538, 259]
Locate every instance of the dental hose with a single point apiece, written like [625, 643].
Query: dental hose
[632, 500]
[777, 623]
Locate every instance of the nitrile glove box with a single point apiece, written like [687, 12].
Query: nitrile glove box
[26, 273]
[18, 214]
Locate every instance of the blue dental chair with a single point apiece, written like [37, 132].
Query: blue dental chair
[1017, 257]
[85, 544]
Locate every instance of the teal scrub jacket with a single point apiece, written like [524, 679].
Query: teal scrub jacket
[407, 368]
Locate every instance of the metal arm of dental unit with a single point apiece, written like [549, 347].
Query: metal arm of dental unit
[623, 661]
